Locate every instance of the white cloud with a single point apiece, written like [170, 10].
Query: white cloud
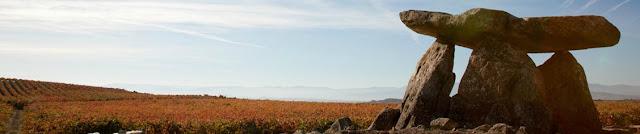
[379, 5]
[91, 16]
[614, 8]
[97, 15]
[587, 5]
[192, 33]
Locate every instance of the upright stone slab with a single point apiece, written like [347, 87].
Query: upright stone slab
[500, 86]
[427, 95]
[567, 94]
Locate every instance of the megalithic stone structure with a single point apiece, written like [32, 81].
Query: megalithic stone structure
[501, 83]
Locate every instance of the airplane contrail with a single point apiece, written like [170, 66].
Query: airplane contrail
[191, 33]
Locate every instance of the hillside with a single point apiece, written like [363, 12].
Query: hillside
[51, 91]
[327, 94]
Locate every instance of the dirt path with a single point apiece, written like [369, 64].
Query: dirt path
[14, 122]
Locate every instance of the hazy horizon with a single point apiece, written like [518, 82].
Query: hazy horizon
[314, 43]
[328, 94]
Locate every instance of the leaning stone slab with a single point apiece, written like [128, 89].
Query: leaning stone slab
[567, 95]
[500, 86]
[534, 34]
[427, 95]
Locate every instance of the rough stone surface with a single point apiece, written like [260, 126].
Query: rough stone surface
[522, 130]
[444, 124]
[567, 95]
[500, 86]
[535, 34]
[501, 128]
[482, 128]
[386, 119]
[339, 125]
[427, 94]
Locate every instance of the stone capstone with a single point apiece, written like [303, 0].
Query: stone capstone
[533, 34]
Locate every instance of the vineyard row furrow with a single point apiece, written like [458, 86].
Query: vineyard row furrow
[51, 91]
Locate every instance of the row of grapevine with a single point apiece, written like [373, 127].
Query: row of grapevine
[11, 87]
[51, 91]
[184, 115]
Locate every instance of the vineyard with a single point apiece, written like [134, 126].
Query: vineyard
[192, 115]
[619, 113]
[68, 108]
[5, 114]
[17, 89]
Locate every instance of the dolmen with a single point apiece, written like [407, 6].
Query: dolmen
[501, 84]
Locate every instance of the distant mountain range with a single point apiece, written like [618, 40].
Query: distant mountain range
[614, 92]
[325, 94]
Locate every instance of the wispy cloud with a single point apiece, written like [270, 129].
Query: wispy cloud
[92, 14]
[91, 17]
[567, 3]
[614, 8]
[587, 5]
[379, 5]
[192, 33]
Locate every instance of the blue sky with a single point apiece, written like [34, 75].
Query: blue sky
[319, 43]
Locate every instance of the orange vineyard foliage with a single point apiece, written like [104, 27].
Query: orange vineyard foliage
[5, 114]
[192, 115]
[68, 108]
[619, 113]
[50, 91]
